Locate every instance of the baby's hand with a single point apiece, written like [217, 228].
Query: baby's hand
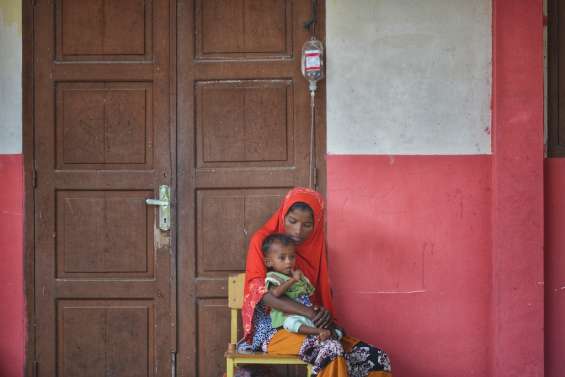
[325, 334]
[297, 275]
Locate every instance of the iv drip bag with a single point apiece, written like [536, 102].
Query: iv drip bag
[312, 62]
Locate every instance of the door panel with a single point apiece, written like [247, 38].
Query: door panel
[244, 123]
[226, 219]
[243, 29]
[97, 337]
[102, 30]
[104, 234]
[102, 128]
[104, 125]
[244, 139]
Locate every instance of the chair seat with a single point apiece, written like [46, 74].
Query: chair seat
[262, 357]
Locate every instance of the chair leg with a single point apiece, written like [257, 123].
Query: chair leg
[229, 368]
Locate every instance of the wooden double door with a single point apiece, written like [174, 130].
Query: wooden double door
[202, 96]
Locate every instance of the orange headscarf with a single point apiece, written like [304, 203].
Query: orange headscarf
[310, 255]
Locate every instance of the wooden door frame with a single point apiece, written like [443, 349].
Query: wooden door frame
[28, 142]
[320, 116]
[28, 138]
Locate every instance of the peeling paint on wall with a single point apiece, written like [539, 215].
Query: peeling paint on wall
[10, 77]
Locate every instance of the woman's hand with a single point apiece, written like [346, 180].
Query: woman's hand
[322, 317]
[337, 328]
[318, 314]
[297, 275]
[287, 305]
[325, 334]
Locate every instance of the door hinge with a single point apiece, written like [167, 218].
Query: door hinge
[34, 178]
[173, 364]
[34, 174]
[316, 178]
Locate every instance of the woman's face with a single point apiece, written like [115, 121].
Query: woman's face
[298, 224]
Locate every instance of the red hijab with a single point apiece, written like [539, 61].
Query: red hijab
[310, 255]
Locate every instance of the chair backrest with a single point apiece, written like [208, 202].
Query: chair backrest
[236, 284]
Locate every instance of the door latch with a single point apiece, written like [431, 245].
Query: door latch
[164, 207]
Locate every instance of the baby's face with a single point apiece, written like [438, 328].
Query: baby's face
[281, 258]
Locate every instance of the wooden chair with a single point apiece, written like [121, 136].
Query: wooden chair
[234, 358]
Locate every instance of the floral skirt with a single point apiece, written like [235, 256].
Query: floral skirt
[348, 357]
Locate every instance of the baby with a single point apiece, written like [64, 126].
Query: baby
[283, 279]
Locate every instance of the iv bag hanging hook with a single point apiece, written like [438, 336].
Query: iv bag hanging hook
[309, 25]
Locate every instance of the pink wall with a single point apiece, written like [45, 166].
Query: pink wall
[439, 259]
[409, 249]
[554, 267]
[12, 315]
[517, 170]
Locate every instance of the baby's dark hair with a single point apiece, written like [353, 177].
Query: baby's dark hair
[275, 237]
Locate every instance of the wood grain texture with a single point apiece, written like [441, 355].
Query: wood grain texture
[244, 139]
[102, 146]
[103, 29]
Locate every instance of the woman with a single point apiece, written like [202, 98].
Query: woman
[301, 217]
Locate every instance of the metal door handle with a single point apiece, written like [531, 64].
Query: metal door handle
[155, 202]
[164, 207]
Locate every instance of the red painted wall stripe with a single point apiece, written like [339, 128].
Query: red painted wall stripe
[555, 267]
[12, 315]
[517, 214]
[409, 253]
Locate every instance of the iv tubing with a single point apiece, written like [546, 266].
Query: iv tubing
[312, 176]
